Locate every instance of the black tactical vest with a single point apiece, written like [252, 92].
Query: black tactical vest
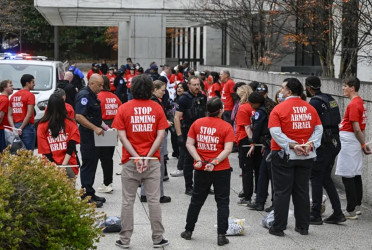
[330, 115]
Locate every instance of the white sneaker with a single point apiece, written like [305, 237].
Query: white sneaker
[351, 215]
[177, 173]
[105, 189]
[357, 210]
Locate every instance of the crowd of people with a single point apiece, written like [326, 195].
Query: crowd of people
[286, 141]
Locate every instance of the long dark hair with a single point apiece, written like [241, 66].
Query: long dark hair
[56, 114]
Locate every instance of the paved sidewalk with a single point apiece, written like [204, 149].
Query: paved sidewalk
[350, 235]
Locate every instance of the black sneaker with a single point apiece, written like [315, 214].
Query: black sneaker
[241, 194]
[315, 220]
[98, 203]
[335, 219]
[98, 198]
[186, 235]
[276, 232]
[162, 243]
[302, 231]
[143, 198]
[244, 202]
[121, 244]
[269, 209]
[166, 178]
[222, 240]
[165, 199]
[188, 191]
[256, 206]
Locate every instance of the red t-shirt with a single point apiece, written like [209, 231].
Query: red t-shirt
[19, 102]
[212, 90]
[129, 77]
[141, 119]
[70, 111]
[206, 85]
[112, 79]
[227, 90]
[243, 118]
[355, 112]
[4, 104]
[90, 73]
[296, 118]
[179, 77]
[109, 104]
[211, 134]
[58, 146]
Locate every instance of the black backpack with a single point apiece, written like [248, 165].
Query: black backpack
[78, 82]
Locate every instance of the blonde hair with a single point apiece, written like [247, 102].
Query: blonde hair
[243, 92]
[158, 84]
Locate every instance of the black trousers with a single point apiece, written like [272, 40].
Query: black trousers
[227, 117]
[203, 182]
[90, 155]
[105, 155]
[264, 179]
[186, 162]
[321, 178]
[249, 165]
[354, 192]
[291, 177]
[175, 147]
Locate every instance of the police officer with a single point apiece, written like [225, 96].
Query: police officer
[329, 113]
[191, 106]
[260, 135]
[121, 86]
[89, 116]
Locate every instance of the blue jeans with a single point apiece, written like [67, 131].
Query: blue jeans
[28, 135]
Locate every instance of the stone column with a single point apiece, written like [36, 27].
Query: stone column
[143, 39]
[176, 41]
[197, 46]
[192, 49]
[123, 42]
[212, 50]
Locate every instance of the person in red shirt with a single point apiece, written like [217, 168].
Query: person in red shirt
[109, 106]
[228, 96]
[69, 108]
[6, 89]
[141, 125]
[215, 87]
[210, 141]
[296, 131]
[111, 76]
[243, 138]
[22, 104]
[353, 145]
[128, 77]
[58, 134]
[95, 69]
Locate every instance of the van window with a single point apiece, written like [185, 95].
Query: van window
[43, 75]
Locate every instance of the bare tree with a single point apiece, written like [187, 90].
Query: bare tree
[252, 25]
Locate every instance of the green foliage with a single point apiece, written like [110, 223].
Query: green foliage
[40, 208]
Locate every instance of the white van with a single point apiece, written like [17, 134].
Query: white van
[46, 73]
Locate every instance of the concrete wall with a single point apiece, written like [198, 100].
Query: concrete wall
[331, 86]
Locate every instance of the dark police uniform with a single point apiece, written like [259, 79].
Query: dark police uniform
[121, 88]
[190, 114]
[87, 104]
[329, 114]
[261, 134]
